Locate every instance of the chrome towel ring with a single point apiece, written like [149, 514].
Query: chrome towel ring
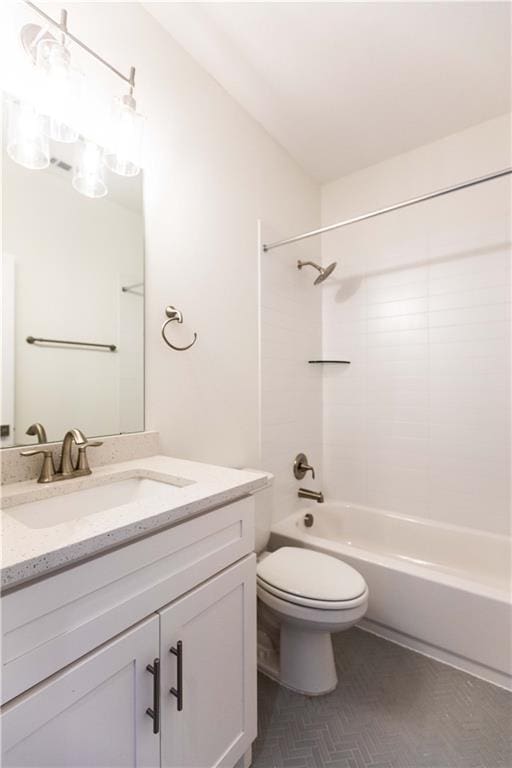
[175, 314]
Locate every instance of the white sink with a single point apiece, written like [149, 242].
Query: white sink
[89, 501]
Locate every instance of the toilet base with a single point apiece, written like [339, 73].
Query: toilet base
[306, 665]
[307, 661]
[295, 646]
[268, 655]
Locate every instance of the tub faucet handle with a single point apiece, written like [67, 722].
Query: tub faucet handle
[301, 466]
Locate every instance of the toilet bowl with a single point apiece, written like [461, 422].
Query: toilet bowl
[304, 596]
[310, 595]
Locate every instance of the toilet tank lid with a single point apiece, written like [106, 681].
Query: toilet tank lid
[269, 478]
[311, 574]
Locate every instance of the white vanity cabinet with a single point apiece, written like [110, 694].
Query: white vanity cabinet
[79, 653]
[208, 671]
[91, 714]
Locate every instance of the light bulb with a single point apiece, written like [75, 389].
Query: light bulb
[26, 140]
[123, 155]
[61, 86]
[88, 173]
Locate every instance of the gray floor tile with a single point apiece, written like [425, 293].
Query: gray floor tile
[392, 709]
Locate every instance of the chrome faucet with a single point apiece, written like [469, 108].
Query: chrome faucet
[67, 469]
[305, 493]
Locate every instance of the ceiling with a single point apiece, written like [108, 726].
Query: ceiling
[343, 85]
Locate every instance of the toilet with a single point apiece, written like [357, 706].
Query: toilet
[304, 596]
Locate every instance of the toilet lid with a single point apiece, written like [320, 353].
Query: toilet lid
[310, 574]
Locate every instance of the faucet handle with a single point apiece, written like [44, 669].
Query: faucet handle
[82, 464]
[48, 467]
[35, 451]
[301, 467]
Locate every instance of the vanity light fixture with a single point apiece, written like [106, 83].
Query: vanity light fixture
[27, 143]
[88, 172]
[61, 86]
[123, 156]
[56, 114]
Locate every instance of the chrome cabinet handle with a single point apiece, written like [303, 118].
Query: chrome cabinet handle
[178, 691]
[175, 314]
[154, 711]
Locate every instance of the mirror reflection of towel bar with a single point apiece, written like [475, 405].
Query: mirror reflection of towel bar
[34, 339]
[131, 289]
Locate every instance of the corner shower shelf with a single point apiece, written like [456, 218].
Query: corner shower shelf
[329, 362]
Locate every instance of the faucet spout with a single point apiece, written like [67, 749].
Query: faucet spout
[66, 463]
[305, 493]
[38, 430]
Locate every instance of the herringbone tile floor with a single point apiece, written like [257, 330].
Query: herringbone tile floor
[392, 709]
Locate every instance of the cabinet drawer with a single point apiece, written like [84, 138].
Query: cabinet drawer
[52, 622]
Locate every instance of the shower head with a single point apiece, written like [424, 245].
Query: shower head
[324, 272]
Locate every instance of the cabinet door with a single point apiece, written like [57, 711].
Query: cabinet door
[93, 713]
[215, 626]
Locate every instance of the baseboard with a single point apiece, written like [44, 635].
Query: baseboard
[494, 676]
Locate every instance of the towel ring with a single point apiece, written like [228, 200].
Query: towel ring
[175, 314]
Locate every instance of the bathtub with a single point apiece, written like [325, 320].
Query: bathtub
[442, 590]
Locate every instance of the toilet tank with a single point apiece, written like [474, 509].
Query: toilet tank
[264, 506]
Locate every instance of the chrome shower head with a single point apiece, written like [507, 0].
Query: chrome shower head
[324, 272]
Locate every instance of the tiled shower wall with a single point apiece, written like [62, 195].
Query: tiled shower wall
[291, 389]
[419, 423]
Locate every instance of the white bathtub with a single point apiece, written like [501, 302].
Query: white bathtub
[440, 589]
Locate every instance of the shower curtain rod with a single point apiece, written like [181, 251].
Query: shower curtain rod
[396, 207]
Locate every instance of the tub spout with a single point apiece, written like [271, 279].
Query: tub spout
[305, 493]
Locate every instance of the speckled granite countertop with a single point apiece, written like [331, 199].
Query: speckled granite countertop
[29, 551]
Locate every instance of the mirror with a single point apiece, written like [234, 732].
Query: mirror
[73, 275]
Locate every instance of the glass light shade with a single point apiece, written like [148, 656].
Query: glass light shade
[27, 143]
[61, 86]
[123, 156]
[88, 172]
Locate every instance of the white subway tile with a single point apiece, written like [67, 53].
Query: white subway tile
[498, 294]
[395, 308]
[397, 323]
[491, 313]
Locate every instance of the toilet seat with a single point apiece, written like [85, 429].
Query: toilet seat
[308, 602]
[307, 578]
[315, 618]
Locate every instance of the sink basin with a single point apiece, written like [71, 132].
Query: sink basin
[89, 501]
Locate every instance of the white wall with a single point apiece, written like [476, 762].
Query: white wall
[419, 423]
[210, 173]
[291, 389]
[71, 255]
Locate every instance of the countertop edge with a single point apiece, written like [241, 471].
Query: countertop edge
[29, 570]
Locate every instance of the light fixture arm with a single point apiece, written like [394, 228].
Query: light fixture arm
[62, 25]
